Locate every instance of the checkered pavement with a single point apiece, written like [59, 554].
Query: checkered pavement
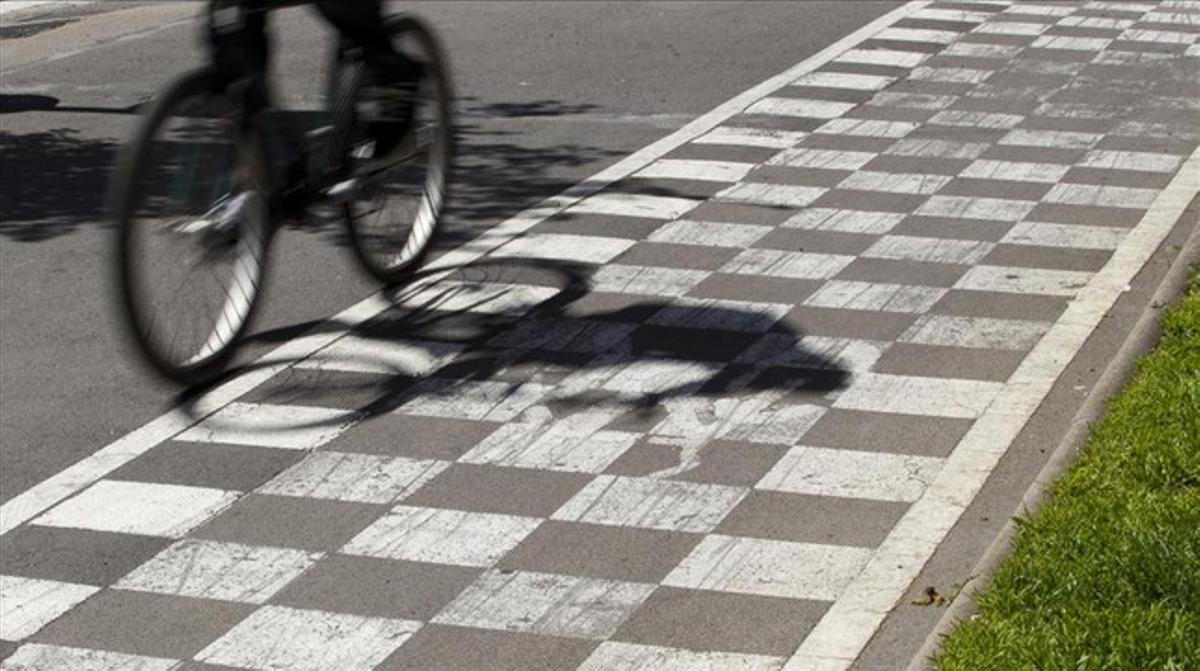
[669, 426]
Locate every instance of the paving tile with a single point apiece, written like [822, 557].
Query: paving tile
[1050, 258]
[439, 646]
[602, 225]
[441, 536]
[74, 555]
[839, 322]
[887, 432]
[28, 604]
[874, 296]
[815, 241]
[788, 516]
[291, 427]
[703, 620]
[997, 305]
[738, 213]
[976, 332]
[735, 143]
[138, 508]
[672, 183]
[38, 656]
[779, 174]
[852, 474]
[493, 489]
[155, 625]
[1024, 280]
[544, 603]
[354, 477]
[601, 552]
[415, 437]
[278, 637]
[292, 522]
[671, 255]
[952, 228]
[960, 399]
[320, 383]
[628, 656]
[949, 362]
[651, 504]
[781, 290]
[373, 587]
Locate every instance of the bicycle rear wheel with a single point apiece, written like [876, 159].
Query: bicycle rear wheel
[396, 216]
[190, 202]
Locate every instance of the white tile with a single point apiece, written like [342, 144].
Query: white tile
[1131, 160]
[1058, 139]
[844, 80]
[932, 250]
[138, 508]
[635, 205]
[877, 476]
[1096, 22]
[975, 332]
[819, 352]
[576, 443]
[1159, 36]
[1012, 28]
[637, 377]
[564, 247]
[542, 603]
[751, 137]
[1079, 110]
[1024, 280]
[867, 128]
[957, 15]
[1071, 43]
[364, 478]
[975, 119]
[1178, 18]
[888, 182]
[1017, 171]
[950, 75]
[707, 171]
[903, 59]
[1040, 9]
[490, 298]
[762, 418]
[777, 195]
[975, 50]
[1101, 195]
[620, 278]
[476, 400]
[1064, 235]
[43, 657]
[924, 101]
[709, 233]
[28, 604]
[719, 314]
[778, 263]
[651, 504]
[935, 397]
[769, 568]
[223, 571]
[442, 536]
[882, 297]
[275, 637]
[291, 427]
[799, 107]
[1120, 6]
[617, 656]
[916, 35]
[829, 159]
[933, 148]
[844, 221]
[967, 207]
[357, 354]
[1134, 128]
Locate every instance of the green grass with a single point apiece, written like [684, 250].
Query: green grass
[1107, 574]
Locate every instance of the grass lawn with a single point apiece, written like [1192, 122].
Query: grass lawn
[1107, 575]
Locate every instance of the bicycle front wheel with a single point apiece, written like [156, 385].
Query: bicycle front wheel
[190, 202]
[396, 217]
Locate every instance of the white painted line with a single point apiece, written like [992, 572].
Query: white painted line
[478, 400]
[973, 119]
[1006, 279]
[975, 50]
[891, 57]
[1180, 18]
[813, 352]
[779, 263]
[651, 504]
[439, 536]
[709, 234]
[225, 571]
[828, 159]
[769, 567]
[867, 127]
[878, 297]
[362, 478]
[315, 640]
[1055, 139]
[751, 137]
[620, 278]
[933, 148]
[1159, 36]
[1039, 9]
[635, 205]
[799, 107]
[931, 250]
[707, 171]
[139, 508]
[1012, 28]
[891, 182]
[543, 603]
[563, 247]
[958, 15]
[844, 221]
[1064, 235]
[1100, 195]
[1102, 23]
[1071, 43]
[967, 207]
[987, 333]
[37, 656]
[842, 633]
[1131, 160]
[32, 502]
[28, 604]
[693, 421]
[917, 35]
[911, 395]
[617, 656]
[776, 195]
[289, 427]
[358, 354]
[950, 75]
[1017, 171]
[878, 476]
[926, 101]
[844, 80]
[575, 444]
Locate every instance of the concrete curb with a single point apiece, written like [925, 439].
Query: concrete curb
[1142, 337]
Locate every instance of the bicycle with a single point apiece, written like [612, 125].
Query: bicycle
[195, 209]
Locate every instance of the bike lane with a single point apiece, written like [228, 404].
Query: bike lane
[718, 404]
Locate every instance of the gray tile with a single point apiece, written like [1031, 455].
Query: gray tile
[439, 646]
[141, 623]
[773, 122]
[890, 113]
[415, 437]
[916, 164]
[1088, 215]
[645, 458]
[995, 188]
[779, 174]
[1069, 124]
[1000, 305]
[804, 518]
[738, 213]
[1062, 156]
[837, 142]
[949, 362]
[726, 462]
[950, 228]
[670, 255]
[823, 93]
[885, 432]
[717, 621]
[874, 201]
[1131, 178]
[322, 389]
[285, 521]
[1057, 258]
[823, 242]
[230, 467]
[668, 187]
[7, 648]
[994, 38]
[903, 272]
[721, 152]
[575, 223]
[75, 555]
[766, 289]
[865, 68]
[496, 489]
[599, 551]
[863, 324]
[606, 306]
[377, 587]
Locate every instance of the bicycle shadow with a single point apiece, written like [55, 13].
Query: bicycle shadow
[508, 325]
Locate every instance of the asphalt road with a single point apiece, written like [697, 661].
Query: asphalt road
[550, 93]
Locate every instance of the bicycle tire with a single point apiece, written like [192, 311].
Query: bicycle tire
[245, 242]
[392, 253]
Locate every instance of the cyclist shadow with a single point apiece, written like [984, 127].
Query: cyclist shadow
[506, 327]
